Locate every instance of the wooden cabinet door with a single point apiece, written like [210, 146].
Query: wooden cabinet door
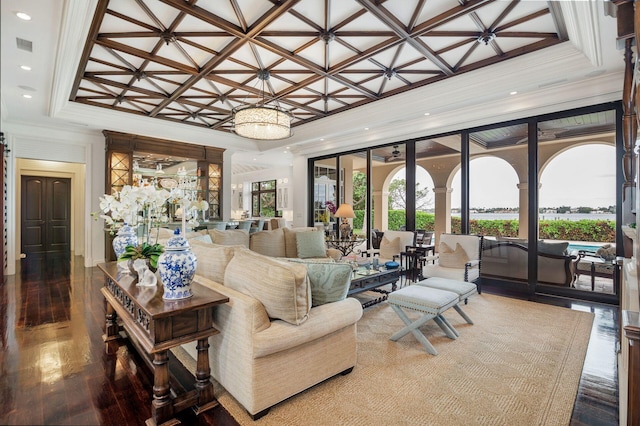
[45, 215]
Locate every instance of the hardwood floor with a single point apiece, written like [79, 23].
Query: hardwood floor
[54, 368]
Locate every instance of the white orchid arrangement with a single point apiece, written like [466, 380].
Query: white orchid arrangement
[127, 205]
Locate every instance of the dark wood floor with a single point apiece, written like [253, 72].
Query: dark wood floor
[54, 368]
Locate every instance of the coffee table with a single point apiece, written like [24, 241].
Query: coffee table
[364, 280]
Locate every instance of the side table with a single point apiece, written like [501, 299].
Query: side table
[155, 326]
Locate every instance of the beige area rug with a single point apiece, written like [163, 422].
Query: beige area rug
[519, 364]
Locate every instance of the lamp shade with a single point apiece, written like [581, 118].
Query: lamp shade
[345, 210]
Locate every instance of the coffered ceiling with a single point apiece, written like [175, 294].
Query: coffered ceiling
[194, 61]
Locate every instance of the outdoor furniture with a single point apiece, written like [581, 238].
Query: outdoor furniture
[588, 262]
[432, 302]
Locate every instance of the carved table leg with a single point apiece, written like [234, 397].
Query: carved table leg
[111, 328]
[203, 384]
[162, 406]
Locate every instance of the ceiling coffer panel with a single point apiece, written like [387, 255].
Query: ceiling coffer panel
[194, 61]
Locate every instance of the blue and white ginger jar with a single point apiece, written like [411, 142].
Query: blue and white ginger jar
[126, 236]
[177, 266]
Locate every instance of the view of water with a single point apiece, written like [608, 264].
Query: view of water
[544, 216]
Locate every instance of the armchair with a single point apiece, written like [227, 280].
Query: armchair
[458, 258]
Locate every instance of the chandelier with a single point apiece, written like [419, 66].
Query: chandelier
[262, 121]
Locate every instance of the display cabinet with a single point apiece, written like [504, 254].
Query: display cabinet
[202, 166]
[122, 149]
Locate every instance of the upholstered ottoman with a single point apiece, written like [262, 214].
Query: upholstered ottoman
[430, 301]
[462, 288]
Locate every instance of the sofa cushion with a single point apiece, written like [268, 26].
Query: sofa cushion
[291, 240]
[559, 249]
[310, 244]
[230, 237]
[282, 287]
[205, 238]
[268, 243]
[452, 258]
[212, 259]
[329, 281]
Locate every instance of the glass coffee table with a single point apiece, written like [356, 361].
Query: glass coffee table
[371, 280]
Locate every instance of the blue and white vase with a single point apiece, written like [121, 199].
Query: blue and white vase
[126, 236]
[177, 266]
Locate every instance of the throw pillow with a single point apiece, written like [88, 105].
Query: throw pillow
[452, 258]
[230, 237]
[329, 281]
[389, 248]
[268, 243]
[559, 249]
[212, 260]
[281, 287]
[291, 242]
[310, 244]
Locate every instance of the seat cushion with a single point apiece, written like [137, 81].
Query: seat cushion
[423, 299]
[282, 287]
[462, 288]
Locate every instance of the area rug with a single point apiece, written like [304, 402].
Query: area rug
[520, 363]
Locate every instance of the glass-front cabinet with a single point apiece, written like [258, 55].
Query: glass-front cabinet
[140, 160]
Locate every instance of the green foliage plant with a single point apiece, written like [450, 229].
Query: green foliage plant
[143, 251]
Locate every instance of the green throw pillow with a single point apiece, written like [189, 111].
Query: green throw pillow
[329, 281]
[310, 244]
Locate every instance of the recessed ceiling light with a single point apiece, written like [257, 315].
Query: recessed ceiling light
[366, 128]
[23, 16]
[25, 67]
[27, 96]
[427, 113]
[321, 139]
[513, 93]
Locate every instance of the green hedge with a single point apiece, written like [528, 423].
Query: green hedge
[580, 230]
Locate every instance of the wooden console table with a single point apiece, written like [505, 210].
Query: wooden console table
[154, 326]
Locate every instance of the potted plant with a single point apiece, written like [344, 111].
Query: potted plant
[143, 251]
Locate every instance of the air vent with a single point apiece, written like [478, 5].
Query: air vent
[24, 44]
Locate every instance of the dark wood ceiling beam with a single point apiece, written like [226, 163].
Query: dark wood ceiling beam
[309, 65]
[416, 13]
[239, 15]
[448, 16]
[391, 21]
[94, 29]
[119, 85]
[131, 20]
[145, 55]
[522, 20]
[271, 15]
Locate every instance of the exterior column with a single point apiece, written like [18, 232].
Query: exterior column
[380, 210]
[523, 205]
[442, 212]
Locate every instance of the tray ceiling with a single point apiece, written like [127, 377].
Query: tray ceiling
[194, 61]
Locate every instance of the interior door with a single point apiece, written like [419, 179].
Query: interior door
[46, 215]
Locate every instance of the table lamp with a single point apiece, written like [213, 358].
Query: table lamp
[345, 211]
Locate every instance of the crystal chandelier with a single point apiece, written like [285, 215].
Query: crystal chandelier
[261, 121]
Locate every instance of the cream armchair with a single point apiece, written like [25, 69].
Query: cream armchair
[458, 258]
[392, 243]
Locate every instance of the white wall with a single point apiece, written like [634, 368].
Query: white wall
[242, 182]
[67, 152]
